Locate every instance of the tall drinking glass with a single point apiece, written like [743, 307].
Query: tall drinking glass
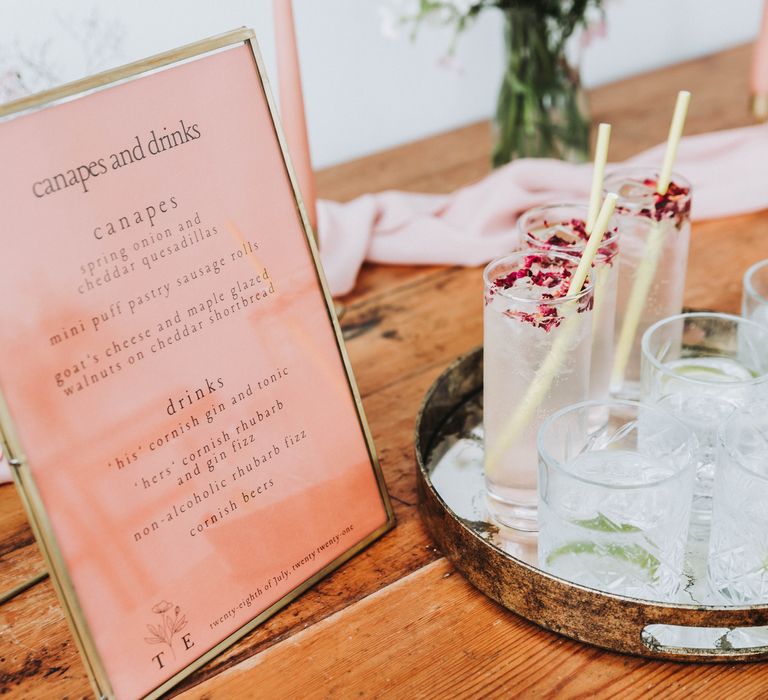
[703, 366]
[754, 300]
[654, 233]
[615, 502]
[738, 546]
[537, 339]
[561, 228]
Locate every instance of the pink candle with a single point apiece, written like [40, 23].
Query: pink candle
[5, 470]
[292, 103]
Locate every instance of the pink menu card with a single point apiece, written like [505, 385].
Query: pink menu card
[175, 385]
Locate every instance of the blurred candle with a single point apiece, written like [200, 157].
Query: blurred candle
[759, 78]
[292, 103]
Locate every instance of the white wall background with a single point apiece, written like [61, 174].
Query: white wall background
[363, 92]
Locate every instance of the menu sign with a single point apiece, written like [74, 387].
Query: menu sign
[186, 431]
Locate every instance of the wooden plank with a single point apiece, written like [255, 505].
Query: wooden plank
[640, 107]
[430, 321]
[721, 251]
[432, 635]
[380, 280]
[406, 167]
[20, 557]
[39, 658]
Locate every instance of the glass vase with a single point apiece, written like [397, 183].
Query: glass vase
[541, 109]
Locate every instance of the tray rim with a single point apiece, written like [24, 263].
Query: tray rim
[457, 540]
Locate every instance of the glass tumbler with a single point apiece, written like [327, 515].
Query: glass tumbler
[537, 345]
[614, 503]
[754, 299]
[738, 545]
[561, 228]
[654, 231]
[701, 367]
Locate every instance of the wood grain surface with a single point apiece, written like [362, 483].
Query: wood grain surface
[396, 621]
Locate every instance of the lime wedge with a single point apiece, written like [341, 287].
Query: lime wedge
[687, 370]
[630, 553]
[602, 523]
[738, 372]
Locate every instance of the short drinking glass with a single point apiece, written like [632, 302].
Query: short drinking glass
[701, 367]
[614, 502]
[738, 545]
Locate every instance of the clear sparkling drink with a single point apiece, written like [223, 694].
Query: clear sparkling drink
[655, 231]
[561, 228]
[615, 501]
[537, 345]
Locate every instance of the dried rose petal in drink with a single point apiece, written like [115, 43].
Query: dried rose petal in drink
[561, 228]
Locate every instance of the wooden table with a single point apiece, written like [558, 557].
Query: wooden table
[397, 621]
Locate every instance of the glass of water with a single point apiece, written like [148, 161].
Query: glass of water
[701, 367]
[614, 503]
[754, 300]
[738, 546]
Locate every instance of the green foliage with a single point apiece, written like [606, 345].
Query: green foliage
[540, 110]
[561, 17]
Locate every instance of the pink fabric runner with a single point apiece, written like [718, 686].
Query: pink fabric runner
[728, 171]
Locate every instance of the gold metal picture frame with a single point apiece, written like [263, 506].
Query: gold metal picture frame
[15, 452]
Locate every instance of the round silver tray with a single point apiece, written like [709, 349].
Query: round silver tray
[450, 482]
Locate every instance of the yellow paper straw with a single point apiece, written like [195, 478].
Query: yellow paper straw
[595, 198]
[646, 270]
[673, 140]
[598, 173]
[545, 375]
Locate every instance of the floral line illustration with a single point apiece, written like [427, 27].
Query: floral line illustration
[172, 622]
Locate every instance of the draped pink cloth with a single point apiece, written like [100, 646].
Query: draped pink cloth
[728, 171]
